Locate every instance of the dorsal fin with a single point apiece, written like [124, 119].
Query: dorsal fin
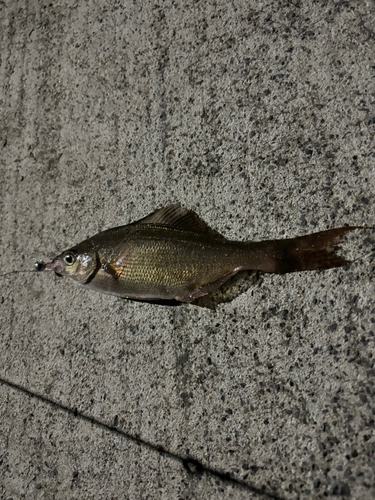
[181, 218]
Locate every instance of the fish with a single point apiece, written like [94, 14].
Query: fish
[173, 255]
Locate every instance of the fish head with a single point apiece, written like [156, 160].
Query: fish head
[78, 265]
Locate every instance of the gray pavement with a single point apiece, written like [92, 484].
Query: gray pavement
[260, 117]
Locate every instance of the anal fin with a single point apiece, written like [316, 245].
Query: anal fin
[207, 288]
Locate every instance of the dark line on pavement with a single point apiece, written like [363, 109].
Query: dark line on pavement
[190, 464]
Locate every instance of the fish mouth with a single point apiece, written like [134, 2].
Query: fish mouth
[56, 266]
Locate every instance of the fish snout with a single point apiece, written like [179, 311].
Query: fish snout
[56, 265]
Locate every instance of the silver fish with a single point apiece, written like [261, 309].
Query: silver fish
[173, 254]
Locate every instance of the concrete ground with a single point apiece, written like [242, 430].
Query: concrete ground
[258, 115]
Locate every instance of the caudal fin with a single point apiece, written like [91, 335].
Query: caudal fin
[304, 253]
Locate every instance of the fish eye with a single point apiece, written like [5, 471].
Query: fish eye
[69, 259]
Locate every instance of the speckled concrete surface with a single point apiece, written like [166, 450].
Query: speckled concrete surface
[259, 116]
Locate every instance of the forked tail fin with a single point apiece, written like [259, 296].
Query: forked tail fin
[304, 253]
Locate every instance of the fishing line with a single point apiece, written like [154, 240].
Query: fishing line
[38, 267]
[190, 464]
[15, 272]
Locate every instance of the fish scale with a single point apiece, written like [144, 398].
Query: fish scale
[170, 262]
